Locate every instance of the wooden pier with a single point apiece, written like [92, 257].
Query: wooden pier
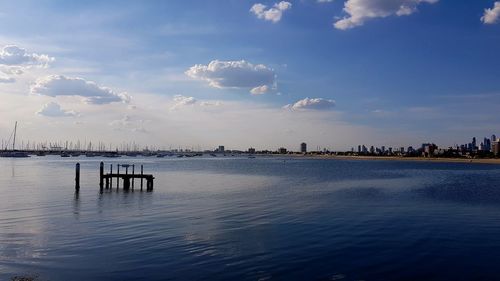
[106, 180]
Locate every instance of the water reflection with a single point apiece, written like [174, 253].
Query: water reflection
[240, 219]
[76, 204]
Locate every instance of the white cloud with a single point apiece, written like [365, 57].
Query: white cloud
[211, 103]
[360, 11]
[492, 15]
[12, 70]
[58, 85]
[273, 14]
[7, 79]
[12, 55]
[128, 123]
[182, 101]
[53, 109]
[260, 90]
[311, 104]
[234, 74]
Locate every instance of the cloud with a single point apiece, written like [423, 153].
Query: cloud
[7, 79]
[128, 123]
[181, 101]
[53, 109]
[492, 15]
[12, 55]
[273, 14]
[12, 70]
[324, 1]
[360, 11]
[211, 103]
[311, 104]
[58, 85]
[260, 90]
[235, 74]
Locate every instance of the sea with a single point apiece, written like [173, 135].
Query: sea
[240, 218]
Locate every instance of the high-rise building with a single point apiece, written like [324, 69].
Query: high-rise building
[496, 147]
[359, 148]
[221, 149]
[303, 147]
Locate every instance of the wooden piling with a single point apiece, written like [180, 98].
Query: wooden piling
[101, 175]
[118, 179]
[110, 179]
[142, 173]
[133, 178]
[77, 177]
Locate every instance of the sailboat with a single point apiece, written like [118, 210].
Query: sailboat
[13, 153]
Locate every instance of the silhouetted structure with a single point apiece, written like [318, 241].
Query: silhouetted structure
[126, 178]
[303, 147]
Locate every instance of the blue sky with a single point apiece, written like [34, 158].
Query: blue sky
[415, 71]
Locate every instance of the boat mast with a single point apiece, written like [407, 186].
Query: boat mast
[14, 142]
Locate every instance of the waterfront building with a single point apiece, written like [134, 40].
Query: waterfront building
[282, 150]
[251, 150]
[496, 147]
[221, 149]
[303, 147]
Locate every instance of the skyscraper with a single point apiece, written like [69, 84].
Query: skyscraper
[303, 147]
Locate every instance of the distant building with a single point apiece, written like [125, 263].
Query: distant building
[282, 150]
[251, 150]
[221, 149]
[496, 147]
[303, 147]
[428, 149]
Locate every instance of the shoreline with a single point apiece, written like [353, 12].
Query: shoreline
[494, 161]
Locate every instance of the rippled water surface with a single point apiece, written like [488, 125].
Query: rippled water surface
[251, 219]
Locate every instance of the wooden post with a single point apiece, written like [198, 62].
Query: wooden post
[142, 172]
[118, 178]
[126, 183]
[77, 177]
[110, 178]
[133, 178]
[101, 175]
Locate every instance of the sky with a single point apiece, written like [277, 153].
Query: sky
[263, 74]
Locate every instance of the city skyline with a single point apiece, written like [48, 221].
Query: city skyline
[263, 74]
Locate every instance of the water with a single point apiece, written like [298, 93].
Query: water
[252, 219]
